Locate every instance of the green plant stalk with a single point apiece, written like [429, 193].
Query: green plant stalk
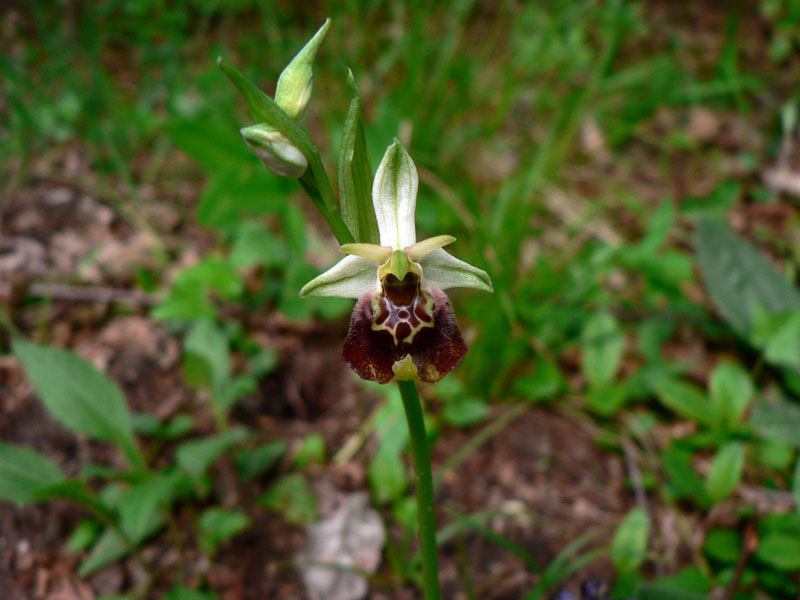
[424, 489]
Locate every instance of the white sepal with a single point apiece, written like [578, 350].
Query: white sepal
[394, 197]
[445, 271]
[351, 277]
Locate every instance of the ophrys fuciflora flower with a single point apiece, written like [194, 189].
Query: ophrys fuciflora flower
[403, 324]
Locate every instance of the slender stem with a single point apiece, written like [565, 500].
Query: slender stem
[424, 488]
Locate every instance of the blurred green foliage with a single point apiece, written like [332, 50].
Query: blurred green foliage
[499, 104]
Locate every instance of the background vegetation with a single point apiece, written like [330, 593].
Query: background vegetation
[627, 172]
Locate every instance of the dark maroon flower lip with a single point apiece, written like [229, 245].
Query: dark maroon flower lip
[435, 345]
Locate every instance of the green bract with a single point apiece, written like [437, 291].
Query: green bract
[403, 325]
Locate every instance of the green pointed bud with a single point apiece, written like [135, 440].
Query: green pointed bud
[294, 85]
[277, 153]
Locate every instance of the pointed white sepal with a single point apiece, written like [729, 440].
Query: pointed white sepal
[394, 197]
[351, 277]
[445, 271]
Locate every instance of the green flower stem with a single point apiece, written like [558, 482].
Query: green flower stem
[424, 488]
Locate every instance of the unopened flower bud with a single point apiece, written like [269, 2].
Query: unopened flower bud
[277, 153]
[294, 85]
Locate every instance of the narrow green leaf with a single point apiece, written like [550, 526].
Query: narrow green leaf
[731, 390]
[79, 395]
[726, 471]
[24, 472]
[740, 281]
[603, 344]
[629, 545]
[355, 174]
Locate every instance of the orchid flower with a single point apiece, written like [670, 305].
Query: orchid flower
[403, 324]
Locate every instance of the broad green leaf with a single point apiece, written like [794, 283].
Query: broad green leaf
[688, 579]
[684, 481]
[726, 471]
[777, 418]
[796, 485]
[724, 545]
[387, 474]
[79, 395]
[230, 197]
[606, 400]
[254, 244]
[24, 472]
[211, 142]
[731, 390]
[311, 452]
[208, 341]
[196, 456]
[293, 498]
[147, 424]
[780, 550]
[658, 227]
[355, 173]
[84, 535]
[717, 204]
[142, 505]
[181, 592]
[216, 525]
[739, 280]
[603, 344]
[251, 462]
[629, 545]
[544, 382]
[464, 411]
[684, 399]
[782, 347]
[657, 591]
[774, 454]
